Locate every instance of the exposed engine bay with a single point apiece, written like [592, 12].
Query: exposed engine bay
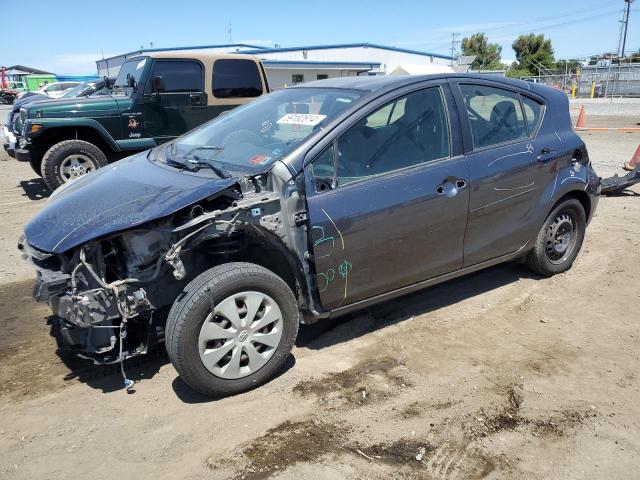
[111, 295]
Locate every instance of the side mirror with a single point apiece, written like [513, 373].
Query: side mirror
[131, 82]
[158, 84]
[108, 83]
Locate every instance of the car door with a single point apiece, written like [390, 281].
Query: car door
[180, 105]
[387, 199]
[512, 160]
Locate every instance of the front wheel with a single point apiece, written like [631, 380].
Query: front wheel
[232, 329]
[559, 240]
[69, 160]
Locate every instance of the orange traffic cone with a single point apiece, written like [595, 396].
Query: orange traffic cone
[635, 160]
[582, 118]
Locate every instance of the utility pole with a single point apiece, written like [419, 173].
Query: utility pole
[230, 38]
[453, 46]
[625, 24]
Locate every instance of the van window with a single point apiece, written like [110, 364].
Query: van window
[495, 115]
[179, 75]
[236, 79]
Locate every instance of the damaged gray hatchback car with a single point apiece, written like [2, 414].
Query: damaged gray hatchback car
[308, 203]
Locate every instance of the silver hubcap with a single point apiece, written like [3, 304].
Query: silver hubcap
[560, 238]
[75, 166]
[240, 335]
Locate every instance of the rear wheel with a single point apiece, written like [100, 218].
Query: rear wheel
[69, 160]
[559, 240]
[232, 329]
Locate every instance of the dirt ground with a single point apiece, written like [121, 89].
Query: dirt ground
[500, 374]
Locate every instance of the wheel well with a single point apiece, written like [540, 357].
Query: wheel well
[272, 259]
[582, 197]
[264, 251]
[58, 134]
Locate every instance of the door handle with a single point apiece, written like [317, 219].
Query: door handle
[546, 154]
[450, 188]
[195, 99]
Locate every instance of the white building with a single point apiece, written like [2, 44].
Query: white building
[291, 65]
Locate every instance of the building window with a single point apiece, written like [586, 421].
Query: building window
[322, 76]
[297, 78]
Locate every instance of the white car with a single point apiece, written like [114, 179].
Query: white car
[56, 89]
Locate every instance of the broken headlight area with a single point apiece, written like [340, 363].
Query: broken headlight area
[108, 294]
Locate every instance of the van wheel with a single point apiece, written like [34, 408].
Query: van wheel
[69, 160]
[559, 240]
[232, 329]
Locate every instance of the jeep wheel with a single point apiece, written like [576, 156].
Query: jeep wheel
[559, 240]
[232, 329]
[36, 165]
[69, 160]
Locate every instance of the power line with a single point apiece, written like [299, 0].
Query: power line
[541, 25]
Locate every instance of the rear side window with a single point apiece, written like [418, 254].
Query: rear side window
[179, 75]
[532, 112]
[236, 79]
[495, 115]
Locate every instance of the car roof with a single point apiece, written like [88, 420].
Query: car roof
[198, 54]
[379, 82]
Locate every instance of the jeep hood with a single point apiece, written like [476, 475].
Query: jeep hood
[123, 195]
[78, 107]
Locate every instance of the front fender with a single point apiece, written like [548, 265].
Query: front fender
[50, 123]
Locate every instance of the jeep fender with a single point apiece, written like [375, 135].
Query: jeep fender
[49, 124]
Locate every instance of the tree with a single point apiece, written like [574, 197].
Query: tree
[487, 54]
[533, 50]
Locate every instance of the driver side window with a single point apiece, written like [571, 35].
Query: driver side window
[408, 131]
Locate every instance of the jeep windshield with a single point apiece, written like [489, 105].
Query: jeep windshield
[129, 75]
[261, 132]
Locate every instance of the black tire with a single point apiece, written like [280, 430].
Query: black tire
[55, 156]
[544, 259]
[36, 165]
[191, 308]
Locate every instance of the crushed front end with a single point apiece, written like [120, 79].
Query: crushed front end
[96, 315]
[110, 295]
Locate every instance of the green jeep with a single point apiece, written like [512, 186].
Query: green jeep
[156, 97]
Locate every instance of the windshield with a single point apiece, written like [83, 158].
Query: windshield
[132, 68]
[263, 131]
[77, 90]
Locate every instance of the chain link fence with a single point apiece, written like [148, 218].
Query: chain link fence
[604, 82]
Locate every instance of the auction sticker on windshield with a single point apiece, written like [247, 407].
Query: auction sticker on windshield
[308, 119]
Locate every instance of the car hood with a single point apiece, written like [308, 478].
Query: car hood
[123, 195]
[24, 101]
[78, 106]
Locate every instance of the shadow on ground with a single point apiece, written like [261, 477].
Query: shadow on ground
[35, 189]
[28, 336]
[326, 332]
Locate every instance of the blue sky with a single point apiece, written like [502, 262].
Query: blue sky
[67, 39]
